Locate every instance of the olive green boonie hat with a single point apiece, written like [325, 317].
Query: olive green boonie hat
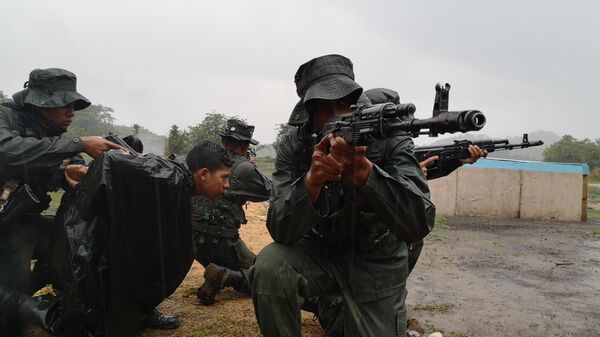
[51, 88]
[329, 77]
[382, 95]
[239, 130]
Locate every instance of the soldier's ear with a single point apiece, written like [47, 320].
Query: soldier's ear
[201, 175]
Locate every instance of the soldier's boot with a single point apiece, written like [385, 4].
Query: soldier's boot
[156, 320]
[329, 312]
[16, 311]
[216, 278]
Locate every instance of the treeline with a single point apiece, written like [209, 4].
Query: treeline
[571, 150]
[98, 120]
[180, 141]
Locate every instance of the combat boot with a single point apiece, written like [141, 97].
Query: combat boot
[216, 278]
[156, 320]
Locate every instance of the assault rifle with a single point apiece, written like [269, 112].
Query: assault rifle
[368, 123]
[460, 150]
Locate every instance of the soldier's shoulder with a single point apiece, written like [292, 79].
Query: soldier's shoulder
[402, 143]
[9, 113]
[9, 108]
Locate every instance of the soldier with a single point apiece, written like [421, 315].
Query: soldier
[384, 95]
[328, 310]
[32, 148]
[341, 216]
[216, 224]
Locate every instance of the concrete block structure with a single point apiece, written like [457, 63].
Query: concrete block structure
[502, 188]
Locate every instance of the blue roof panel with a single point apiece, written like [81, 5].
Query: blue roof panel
[509, 164]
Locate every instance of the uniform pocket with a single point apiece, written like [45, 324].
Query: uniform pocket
[373, 276]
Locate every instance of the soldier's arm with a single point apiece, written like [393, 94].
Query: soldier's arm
[28, 155]
[398, 193]
[249, 184]
[291, 212]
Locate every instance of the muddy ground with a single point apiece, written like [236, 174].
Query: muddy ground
[475, 277]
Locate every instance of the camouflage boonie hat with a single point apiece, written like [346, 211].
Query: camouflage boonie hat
[51, 88]
[382, 95]
[328, 77]
[239, 130]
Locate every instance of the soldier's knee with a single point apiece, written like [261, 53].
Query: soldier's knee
[272, 273]
[271, 258]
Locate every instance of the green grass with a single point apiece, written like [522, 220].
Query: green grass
[458, 334]
[435, 308]
[593, 195]
[593, 214]
[56, 196]
[266, 166]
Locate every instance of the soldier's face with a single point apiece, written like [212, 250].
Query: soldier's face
[62, 116]
[212, 184]
[322, 111]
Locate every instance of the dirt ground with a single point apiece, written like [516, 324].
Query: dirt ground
[475, 277]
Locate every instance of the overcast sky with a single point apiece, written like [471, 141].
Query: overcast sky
[528, 65]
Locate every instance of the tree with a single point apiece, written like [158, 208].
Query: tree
[136, 129]
[282, 130]
[571, 150]
[96, 120]
[176, 141]
[4, 98]
[209, 129]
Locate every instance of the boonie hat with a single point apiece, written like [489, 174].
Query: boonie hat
[382, 95]
[328, 77]
[239, 130]
[51, 88]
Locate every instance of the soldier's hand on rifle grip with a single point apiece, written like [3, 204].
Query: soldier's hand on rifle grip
[476, 153]
[356, 166]
[96, 145]
[323, 168]
[426, 163]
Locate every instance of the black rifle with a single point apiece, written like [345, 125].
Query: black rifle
[21, 201]
[460, 150]
[111, 137]
[367, 123]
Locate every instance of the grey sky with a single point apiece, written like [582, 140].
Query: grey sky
[528, 65]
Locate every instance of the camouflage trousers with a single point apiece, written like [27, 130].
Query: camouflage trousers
[372, 286]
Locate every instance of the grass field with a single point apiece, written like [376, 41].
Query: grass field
[266, 166]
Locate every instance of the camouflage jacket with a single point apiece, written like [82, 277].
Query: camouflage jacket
[394, 203]
[246, 183]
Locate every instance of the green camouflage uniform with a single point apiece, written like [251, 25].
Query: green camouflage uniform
[349, 242]
[384, 95]
[216, 223]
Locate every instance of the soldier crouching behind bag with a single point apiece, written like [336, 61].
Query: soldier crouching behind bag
[32, 149]
[341, 216]
[216, 223]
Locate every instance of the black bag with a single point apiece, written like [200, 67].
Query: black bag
[125, 246]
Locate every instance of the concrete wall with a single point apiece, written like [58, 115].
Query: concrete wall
[506, 193]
